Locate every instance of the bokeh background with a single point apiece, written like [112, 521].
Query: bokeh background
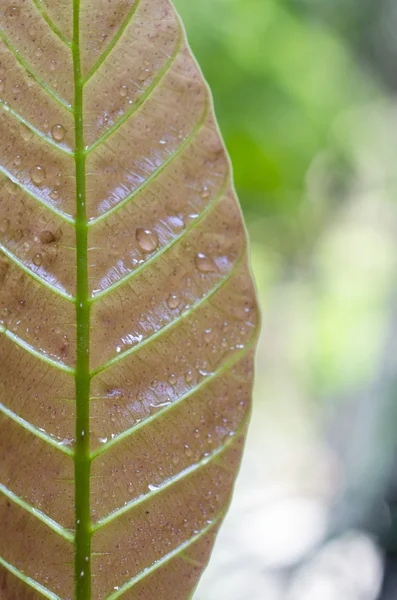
[305, 96]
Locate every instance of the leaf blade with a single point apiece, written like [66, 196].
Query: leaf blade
[164, 308]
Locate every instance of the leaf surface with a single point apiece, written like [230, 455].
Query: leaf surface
[128, 316]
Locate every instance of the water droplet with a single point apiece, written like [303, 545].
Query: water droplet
[205, 193]
[173, 301]
[39, 52]
[143, 75]
[189, 376]
[196, 433]
[175, 459]
[38, 260]
[188, 451]
[204, 263]
[37, 174]
[58, 133]
[208, 335]
[18, 160]
[47, 237]
[4, 225]
[172, 379]
[13, 12]
[54, 194]
[147, 239]
[118, 349]
[2, 85]
[123, 91]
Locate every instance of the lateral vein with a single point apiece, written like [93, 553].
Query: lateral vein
[141, 101]
[155, 173]
[165, 559]
[29, 581]
[44, 86]
[39, 134]
[51, 23]
[59, 445]
[56, 527]
[194, 390]
[208, 208]
[223, 281]
[21, 265]
[26, 190]
[32, 350]
[113, 43]
[169, 482]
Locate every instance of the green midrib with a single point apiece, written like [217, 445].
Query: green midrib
[82, 453]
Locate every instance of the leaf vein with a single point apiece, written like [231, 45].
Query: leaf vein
[28, 580]
[21, 265]
[34, 430]
[113, 43]
[140, 102]
[51, 23]
[169, 482]
[38, 514]
[31, 350]
[34, 129]
[194, 390]
[157, 334]
[208, 208]
[155, 173]
[165, 559]
[49, 206]
[44, 86]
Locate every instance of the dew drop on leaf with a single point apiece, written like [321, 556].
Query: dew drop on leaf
[123, 91]
[58, 133]
[37, 174]
[4, 225]
[147, 239]
[208, 335]
[204, 263]
[37, 260]
[173, 301]
[13, 12]
[46, 237]
[54, 194]
[189, 376]
[205, 193]
[172, 379]
[18, 160]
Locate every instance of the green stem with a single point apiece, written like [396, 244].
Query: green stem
[82, 454]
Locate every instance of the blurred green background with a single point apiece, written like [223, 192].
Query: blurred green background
[304, 94]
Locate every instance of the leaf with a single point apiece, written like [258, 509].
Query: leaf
[128, 318]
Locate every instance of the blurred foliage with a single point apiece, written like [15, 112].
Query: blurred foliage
[278, 86]
[283, 77]
[303, 94]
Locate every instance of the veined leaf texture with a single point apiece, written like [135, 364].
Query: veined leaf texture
[127, 312]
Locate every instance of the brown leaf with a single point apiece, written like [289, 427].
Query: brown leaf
[127, 312]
